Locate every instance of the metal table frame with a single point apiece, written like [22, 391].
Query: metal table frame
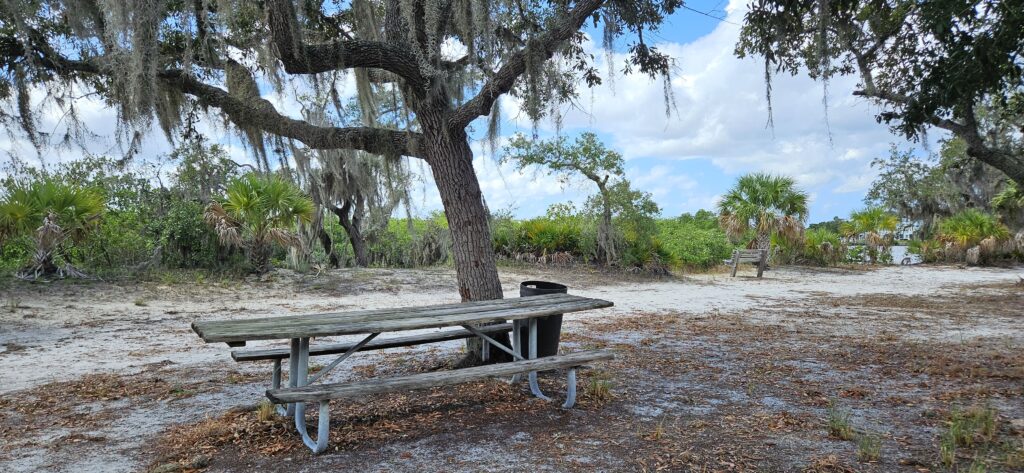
[298, 376]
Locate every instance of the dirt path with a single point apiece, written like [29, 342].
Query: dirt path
[100, 371]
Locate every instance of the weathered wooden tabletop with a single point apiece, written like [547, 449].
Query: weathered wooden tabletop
[392, 320]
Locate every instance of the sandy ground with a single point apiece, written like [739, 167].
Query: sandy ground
[97, 376]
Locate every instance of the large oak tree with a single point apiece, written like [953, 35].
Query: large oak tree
[446, 62]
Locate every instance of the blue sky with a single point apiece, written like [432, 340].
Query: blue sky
[686, 160]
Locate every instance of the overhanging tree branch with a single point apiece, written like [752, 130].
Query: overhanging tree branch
[262, 114]
[257, 112]
[543, 48]
[301, 58]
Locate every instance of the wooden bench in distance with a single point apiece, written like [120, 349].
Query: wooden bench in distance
[358, 389]
[375, 344]
[759, 257]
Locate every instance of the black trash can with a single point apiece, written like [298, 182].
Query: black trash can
[549, 328]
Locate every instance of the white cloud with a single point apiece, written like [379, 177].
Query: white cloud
[722, 114]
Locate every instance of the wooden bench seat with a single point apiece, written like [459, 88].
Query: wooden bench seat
[758, 257]
[375, 344]
[326, 392]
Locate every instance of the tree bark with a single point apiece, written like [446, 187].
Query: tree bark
[764, 241]
[259, 257]
[451, 162]
[328, 244]
[355, 234]
[604, 230]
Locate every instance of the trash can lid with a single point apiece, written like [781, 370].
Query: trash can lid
[553, 286]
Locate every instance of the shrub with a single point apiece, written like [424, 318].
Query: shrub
[875, 228]
[121, 242]
[930, 251]
[259, 211]
[52, 217]
[694, 241]
[969, 227]
[823, 247]
[408, 243]
[188, 242]
[546, 236]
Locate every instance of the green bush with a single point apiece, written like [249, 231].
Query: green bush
[930, 251]
[823, 247]
[188, 242]
[121, 242]
[969, 227]
[648, 254]
[409, 243]
[694, 240]
[544, 235]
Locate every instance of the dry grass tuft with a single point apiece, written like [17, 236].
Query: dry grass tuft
[839, 422]
[599, 388]
[265, 411]
[869, 447]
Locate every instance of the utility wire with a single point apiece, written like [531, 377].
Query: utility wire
[709, 15]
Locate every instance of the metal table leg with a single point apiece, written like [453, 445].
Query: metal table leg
[293, 368]
[570, 393]
[516, 327]
[300, 376]
[534, 387]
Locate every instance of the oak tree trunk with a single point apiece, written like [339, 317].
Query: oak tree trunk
[351, 224]
[328, 244]
[606, 244]
[451, 162]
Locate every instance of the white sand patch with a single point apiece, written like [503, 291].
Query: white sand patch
[62, 333]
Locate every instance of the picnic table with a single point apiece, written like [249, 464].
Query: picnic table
[477, 319]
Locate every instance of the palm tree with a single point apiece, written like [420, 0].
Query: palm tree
[49, 213]
[768, 204]
[259, 211]
[875, 226]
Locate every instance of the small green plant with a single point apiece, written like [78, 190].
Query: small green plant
[180, 391]
[976, 422]
[839, 422]
[947, 449]
[140, 302]
[869, 447]
[823, 247]
[265, 411]
[600, 388]
[984, 421]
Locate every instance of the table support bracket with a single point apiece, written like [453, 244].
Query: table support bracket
[341, 358]
[489, 340]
